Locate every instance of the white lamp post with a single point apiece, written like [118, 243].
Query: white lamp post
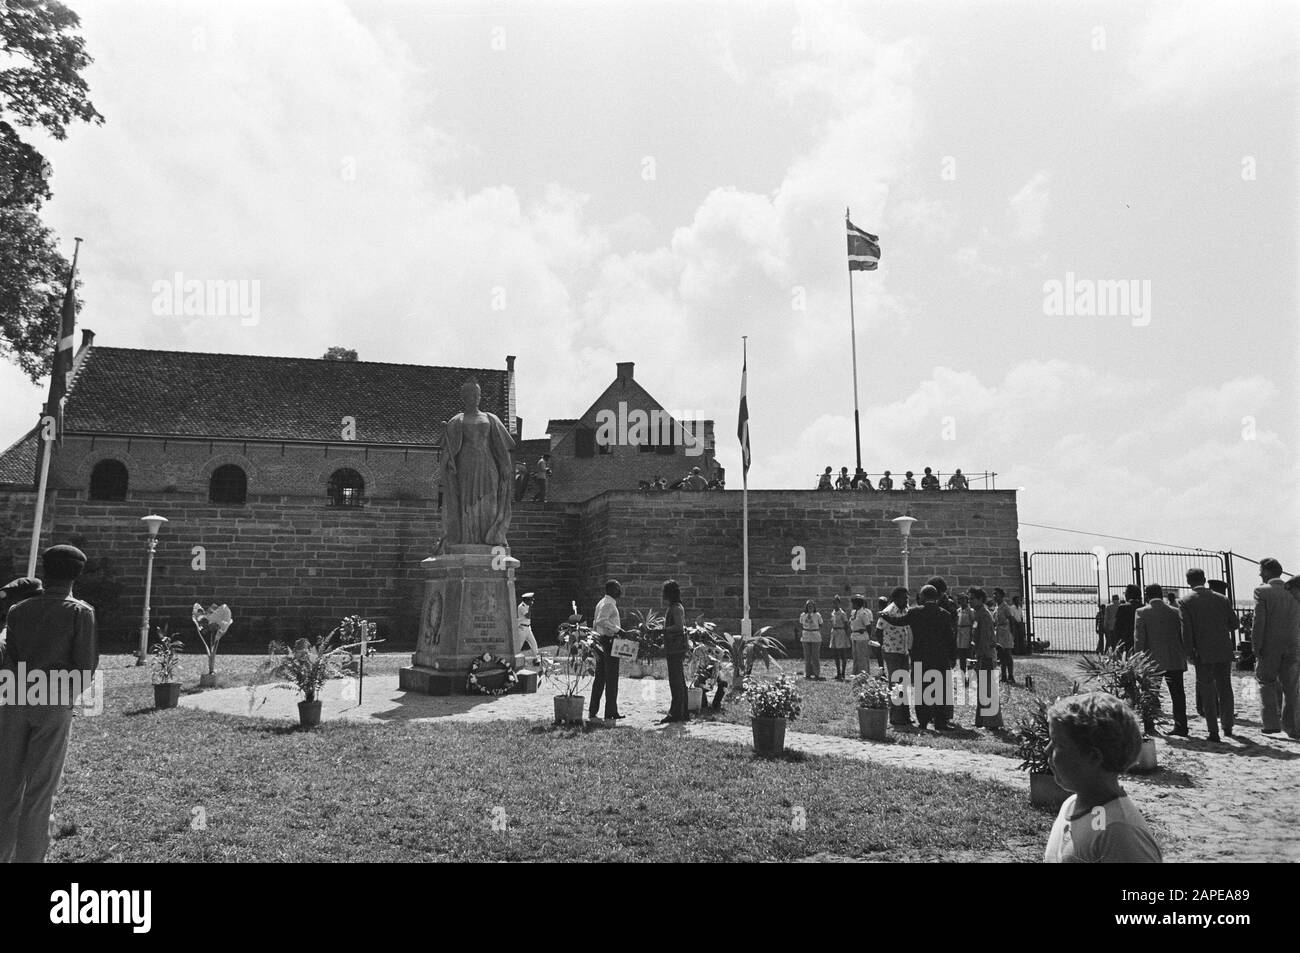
[154, 523]
[904, 524]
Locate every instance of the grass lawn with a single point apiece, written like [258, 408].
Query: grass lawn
[138, 781]
[828, 707]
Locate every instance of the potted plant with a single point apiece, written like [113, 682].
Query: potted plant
[871, 694]
[570, 669]
[771, 705]
[1135, 678]
[1032, 740]
[647, 645]
[309, 665]
[745, 650]
[166, 661]
[212, 624]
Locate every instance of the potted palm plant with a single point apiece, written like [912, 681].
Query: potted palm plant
[871, 695]
[772, 704]
[570, 669]
[166, 659]
[1032, 740]
[746, 650]
[1135, 678]
[647, 647]
[212, 624]
[309, 664]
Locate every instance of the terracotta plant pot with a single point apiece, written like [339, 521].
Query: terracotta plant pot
[568, 709]
[309, 714]
[1045, 792]
[873, 723]
[769, 736]
[1146, 761]
[694, 698]
[208, 681]
[166, 694]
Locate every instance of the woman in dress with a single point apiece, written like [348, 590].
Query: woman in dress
[896, 644]
[1006, 639]
[988, 714]
[675, 646]
[861, 623]
[810, 637]
[476, 474]
[840, 642]
[965, 626]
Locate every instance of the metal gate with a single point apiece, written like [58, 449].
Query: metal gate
[1170, 569]
[1063, 590]
[1062, 596]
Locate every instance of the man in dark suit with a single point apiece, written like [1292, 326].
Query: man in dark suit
[1276, 639]
[52, 633]
[934, 653]
[1158, 631]
[1208, 624]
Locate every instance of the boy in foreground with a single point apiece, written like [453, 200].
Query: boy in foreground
[1095, 736]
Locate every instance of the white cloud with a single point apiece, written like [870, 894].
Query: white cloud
[1029, 208]
[1191, 51]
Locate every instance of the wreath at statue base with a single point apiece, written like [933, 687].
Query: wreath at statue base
[490, 675]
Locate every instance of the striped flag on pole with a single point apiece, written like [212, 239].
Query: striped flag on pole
[742, 427]
[864, 248]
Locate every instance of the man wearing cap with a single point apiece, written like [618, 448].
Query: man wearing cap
[524, 615]
[608, 626]
[52, 633]
[10, 595]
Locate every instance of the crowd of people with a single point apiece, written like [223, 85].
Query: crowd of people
[693, 481]
[861, 481]
[1198, 628]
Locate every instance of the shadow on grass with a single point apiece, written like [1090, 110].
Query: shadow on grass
[273, 729]
[787, 756]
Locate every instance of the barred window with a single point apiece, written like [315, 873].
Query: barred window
[108, 480]
[346, 488]
[229, 484]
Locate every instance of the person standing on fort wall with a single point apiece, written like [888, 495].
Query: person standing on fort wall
[476, 474]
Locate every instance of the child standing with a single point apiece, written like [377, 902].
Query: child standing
[1095, 736]
[810, 636]
[840, 642]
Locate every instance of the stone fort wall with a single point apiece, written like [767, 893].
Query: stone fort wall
[288, 564]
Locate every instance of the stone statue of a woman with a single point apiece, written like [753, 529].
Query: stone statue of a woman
[476, 475]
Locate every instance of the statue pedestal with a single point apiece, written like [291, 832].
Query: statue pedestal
[469, 609]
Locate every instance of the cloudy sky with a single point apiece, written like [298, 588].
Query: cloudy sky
[579, 184]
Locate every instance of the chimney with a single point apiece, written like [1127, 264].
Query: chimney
[87, 339]
[624, 370]
[512, 422]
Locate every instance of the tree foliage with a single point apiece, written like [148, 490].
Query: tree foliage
[337, 353]
[41, 88]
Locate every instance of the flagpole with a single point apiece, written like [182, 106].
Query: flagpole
[746, 627]
[46, 435]
[853, 339]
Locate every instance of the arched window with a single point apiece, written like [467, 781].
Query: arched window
[108, 480]
[228, 485]
[346, 488]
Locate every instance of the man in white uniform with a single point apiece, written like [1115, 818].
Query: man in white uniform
[525, 617]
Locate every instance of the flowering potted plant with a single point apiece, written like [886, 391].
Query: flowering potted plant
[570, 668]
[1032, 740]
[1135, 678]
[771, 705]
[871, 695]
[212, 624]
[309, 664]
[166, 669]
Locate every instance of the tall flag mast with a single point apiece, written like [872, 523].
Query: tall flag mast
[742, 432]
[864, 255]
[51, 428]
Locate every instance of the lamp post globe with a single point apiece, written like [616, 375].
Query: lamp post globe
[154, 522]
[904, 524]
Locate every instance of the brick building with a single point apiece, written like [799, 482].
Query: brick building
[299, 491]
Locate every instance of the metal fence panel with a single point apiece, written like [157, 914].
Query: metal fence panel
[1169, 569]
[1063, 591]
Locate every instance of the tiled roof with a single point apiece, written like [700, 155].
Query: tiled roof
[18, 463]
[530, 451]
[555, 425]
[124, 390]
